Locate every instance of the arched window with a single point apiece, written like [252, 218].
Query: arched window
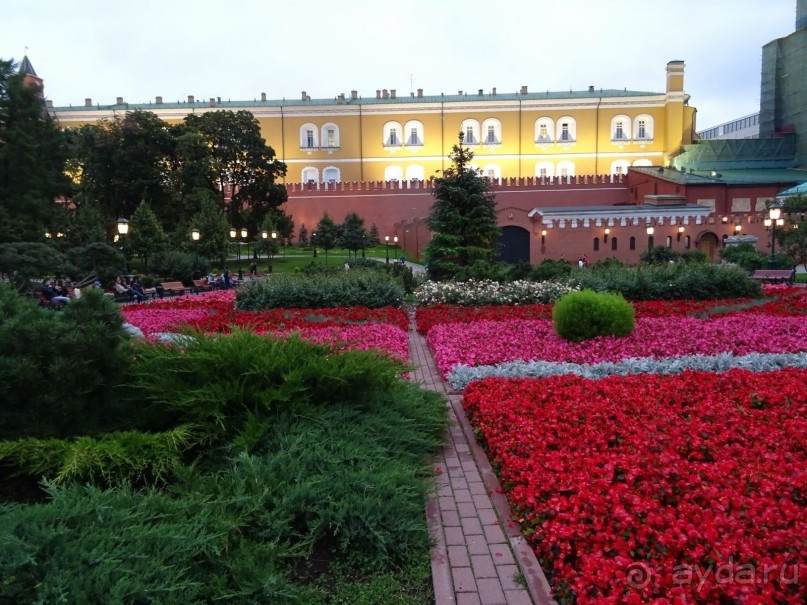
[470, 128]
[392, 135]
[545, 170]
[669, 241]
[687, 242]
[544, 131]
[620, 167]
[413, 130]
[309, 136]
[415, 173]
[331, 174]
[492, 131]
[565, 169]
[393, 173]
[613, 243]
[620, 129]
[567, 130]
[310, 175]
[643, 128]
[596, 244]
[330, 136]
[632, 243]
[492, 171]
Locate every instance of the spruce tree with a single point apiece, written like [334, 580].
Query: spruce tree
[462, 219]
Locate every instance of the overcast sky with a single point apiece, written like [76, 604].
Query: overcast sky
[240, 48]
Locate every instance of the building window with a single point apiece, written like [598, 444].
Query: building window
[393, 173]
[544, 131]
[620, 133]
[687, 242]
[492, 171]
[542, 173]
[310, 175]
[308, 137]
[415, 133]
[491, 135]
[415, 173]
[392, 134]
[613, 244]
[545, 170]
[331, 138]
[669, 241]
[596, 244]
[620, 128]
[567, 127]
[632, 243]
[564, 132]
[643, 126]
[331, 174]
[493, 131]
[471, 130]
[566, 169]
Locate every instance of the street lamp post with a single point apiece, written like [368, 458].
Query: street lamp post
[650, 231]
[197, 271]
[234, 238]
[123, 229]
[395, 240]
[386, 247]
[271, 246]
[774, 219]
[313, 241]
[245, 235]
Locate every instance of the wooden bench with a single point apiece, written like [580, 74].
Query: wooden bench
[173, 288]
[775, 276]
[201, 285]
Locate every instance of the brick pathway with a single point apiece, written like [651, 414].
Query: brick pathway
[479, 556]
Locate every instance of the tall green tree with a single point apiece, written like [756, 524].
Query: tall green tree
[326, 235]
[243, 166]
[213, 228]
[373, 238]
[128, 160]
[33, 157]
[86, 222]
[353, 235]
[462, 218]
[146, 234]
[302, 237]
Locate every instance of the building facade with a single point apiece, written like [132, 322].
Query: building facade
[397, 139]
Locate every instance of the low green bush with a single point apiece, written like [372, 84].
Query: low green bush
[579, 316]
[57, 370]
[670, 281]
[551, 269]
[363, 287]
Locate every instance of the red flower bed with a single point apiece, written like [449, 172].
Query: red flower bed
[657, 489]
[282, 320]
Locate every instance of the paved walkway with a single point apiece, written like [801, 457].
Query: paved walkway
[479, 556]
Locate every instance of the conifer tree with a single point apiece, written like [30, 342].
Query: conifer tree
[462, 219]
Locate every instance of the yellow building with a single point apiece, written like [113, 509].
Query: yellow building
[513, 135]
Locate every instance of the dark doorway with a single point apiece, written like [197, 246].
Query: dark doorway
[514, 245]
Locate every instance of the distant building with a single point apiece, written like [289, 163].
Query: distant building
[746, 127]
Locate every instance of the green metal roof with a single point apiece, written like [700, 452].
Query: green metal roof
[733, 154]
[749, 176]
[403, 100]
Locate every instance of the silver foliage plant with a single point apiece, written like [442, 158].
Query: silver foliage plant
[488, 292]
[461, 376]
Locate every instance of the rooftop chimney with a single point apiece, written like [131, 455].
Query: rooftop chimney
[523, 90]
[591, 89]
[190, 99]
[459, 92]
[420, 93]
[118, 100]
[377, 93]
[88, 102]
[304, 96]
[494, 91]
[341, 98]
[158, 100]
[263, 96]
[212, 102]
[384, 93]
[354, 94]
[480, 92]
[49, 103]
[392, 93]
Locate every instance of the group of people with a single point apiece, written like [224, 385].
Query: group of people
[58, 292]
[133, 288]
[220, 282]
[582, 261]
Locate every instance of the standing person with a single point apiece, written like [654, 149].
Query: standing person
[253, 270]
[585, 260]
[347, 266]
[581, 263]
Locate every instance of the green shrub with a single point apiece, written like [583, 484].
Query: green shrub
[551, 269]
[177, 266]
[363, 287]
[579, 316]
[670, 281]
[659, 255]
[58, 370]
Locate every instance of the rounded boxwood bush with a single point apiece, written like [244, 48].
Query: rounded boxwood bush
[578, 316]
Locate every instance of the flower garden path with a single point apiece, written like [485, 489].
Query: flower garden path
[479, 556]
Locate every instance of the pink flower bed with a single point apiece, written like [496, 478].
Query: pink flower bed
[493, 342]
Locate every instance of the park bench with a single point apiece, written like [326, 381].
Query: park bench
[173, 288]
[774, 276]
[201, 285]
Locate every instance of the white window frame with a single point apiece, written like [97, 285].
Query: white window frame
[620, 167]
[571, 130]
[310, 174]
[393, 173]
[550, 131]
[495, 168]
[389, 128]
[566, 169]
[491, 125]
[624, 122]
[648, 126]
[416, 127]
[331, 174]
[415, 172]
[473, 125]
[326, 143]
[305, 129]
[548, 166]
